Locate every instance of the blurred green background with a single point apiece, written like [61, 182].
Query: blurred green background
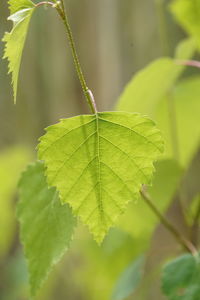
[114, 39]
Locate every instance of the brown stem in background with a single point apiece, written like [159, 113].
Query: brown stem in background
[45, 3]
[187, 245]
[195, 225]
[191, 63]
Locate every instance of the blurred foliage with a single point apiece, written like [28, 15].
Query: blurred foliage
[157, 78]
[180, 279]
[139, 220]
[186, 107]
[12, 162]
[129, 280]
[187, 14]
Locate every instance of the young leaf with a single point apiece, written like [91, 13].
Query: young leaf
[21, 12]
[16, 5]
[99, 162]
[46, 225]
[129, 280]
[187, 13]
[148, 86]
[181, 278]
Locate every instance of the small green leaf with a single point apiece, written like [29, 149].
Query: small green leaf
[16, 5]
[46, 225]
[148, 86]
[99, 162]
[21, 12]
[181, 278]
[129, 280]
[187, 13]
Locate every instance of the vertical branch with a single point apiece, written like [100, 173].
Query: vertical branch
[87, 92]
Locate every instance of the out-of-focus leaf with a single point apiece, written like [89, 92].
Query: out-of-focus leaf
[150, 85]
[129, 280]
[181, 278]
[139, 220]
[187, 13]
[99, 162]
[185, 98]
[46, 225]
[102, 265]
[12, 162]
[21, 12]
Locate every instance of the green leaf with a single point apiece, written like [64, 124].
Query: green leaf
[46, 225]
[16, 5]
[129, 280]
[99, 162]
[185, 98]
[181, 278]
[14, 159]
[21, 12]
[149, 86]
[187, 13]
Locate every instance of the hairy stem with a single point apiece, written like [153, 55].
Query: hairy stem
[87, 92]
[186, 244]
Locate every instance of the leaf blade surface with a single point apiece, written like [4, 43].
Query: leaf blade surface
[99, 162]
[46, 226]
[21, 12]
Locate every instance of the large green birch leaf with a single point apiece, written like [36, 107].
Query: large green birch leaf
[187, 13]
[46, 226]
[21, 12]
[99, 162]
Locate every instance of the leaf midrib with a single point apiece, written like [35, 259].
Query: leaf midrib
[99, 199]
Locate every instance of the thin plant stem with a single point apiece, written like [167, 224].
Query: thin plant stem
[186, 244]
[87, 92]
[195, 225]
[60, 7]
[190, 63]
[45, 3]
